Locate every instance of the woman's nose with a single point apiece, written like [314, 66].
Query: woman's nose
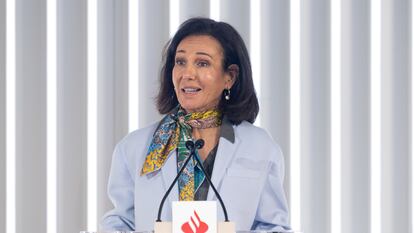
[189, 72]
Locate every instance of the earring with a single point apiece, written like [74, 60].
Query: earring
[227, 94]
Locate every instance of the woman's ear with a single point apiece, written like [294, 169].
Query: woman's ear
[233, 72]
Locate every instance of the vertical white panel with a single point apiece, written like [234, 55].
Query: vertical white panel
[237, 13]
[355, 161]
[31, 116]
[274, 92]
[190, 8]
[51, 116]
[72, 115]
[396, 190]
[294, 113]
[376, 53]
[255, 51]
[153, 37]
[3, 115]
[92, 112]
[111, 85]
[133, 75]
[174, 16]
[315, 116]
[215, 9]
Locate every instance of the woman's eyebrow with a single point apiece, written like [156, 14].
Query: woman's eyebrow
[199, 53]
[203, 53]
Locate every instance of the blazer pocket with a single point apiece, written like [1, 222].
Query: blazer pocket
[243, 173]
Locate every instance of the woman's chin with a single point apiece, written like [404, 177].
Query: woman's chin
[193, 108]
[197, 106]
[190, 109]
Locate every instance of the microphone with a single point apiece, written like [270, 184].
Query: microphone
[199, 144]
[192, 147]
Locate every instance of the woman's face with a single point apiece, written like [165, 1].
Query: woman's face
[198, 75]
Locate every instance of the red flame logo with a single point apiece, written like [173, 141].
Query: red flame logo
[194, 226]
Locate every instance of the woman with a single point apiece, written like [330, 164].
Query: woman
[207, 93]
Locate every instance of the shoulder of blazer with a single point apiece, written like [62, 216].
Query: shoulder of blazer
[258, 139]
[248, 131]
[137, 139]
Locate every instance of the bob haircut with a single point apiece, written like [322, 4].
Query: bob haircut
[243, 104]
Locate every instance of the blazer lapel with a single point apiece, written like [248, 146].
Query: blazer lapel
[225, 153]
[169, 172]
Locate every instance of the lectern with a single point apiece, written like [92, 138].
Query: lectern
[222, 227]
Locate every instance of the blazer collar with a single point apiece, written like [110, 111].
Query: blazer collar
[225, 153]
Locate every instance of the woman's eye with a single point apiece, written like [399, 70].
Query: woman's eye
[179, 62]
[203, 63]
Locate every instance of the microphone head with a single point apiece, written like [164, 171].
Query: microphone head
[189, 144]
[199, 144]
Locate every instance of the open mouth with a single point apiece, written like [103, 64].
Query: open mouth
[190, 90]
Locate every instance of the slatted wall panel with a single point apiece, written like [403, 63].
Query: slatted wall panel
[359, 74]
[30, 115]
[315, 116]
[188, 9]
[71, 116]
[112, 89]
[355, 161]
[152, 38]
[274, 79]
[396, 80]
[237, 13]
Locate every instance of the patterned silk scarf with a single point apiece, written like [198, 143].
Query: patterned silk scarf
[174, 130]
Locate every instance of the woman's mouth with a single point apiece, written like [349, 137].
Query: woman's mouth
[190, 90]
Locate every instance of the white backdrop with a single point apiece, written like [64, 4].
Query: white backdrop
[334, 79]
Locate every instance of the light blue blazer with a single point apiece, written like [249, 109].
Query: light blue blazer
[247, 173]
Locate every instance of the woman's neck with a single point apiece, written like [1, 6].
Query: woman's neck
[210, 137]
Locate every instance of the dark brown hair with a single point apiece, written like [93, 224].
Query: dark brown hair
[243, 103]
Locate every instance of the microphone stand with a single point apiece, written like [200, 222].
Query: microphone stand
[226, 218]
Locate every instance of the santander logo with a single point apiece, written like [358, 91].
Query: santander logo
[195, 225]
